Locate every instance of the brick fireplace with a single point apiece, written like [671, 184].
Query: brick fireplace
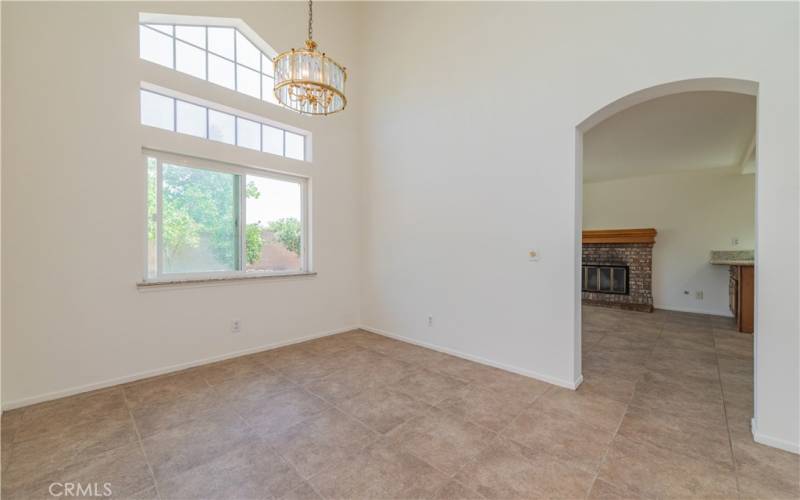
[617, 268]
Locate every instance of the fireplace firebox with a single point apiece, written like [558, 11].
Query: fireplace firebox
[605, 278]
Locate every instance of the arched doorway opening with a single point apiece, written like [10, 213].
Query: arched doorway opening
[641, 97]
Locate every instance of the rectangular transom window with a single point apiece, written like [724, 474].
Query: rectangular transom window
[160, 110]
[210, 219]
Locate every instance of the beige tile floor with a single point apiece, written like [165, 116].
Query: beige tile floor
[664, 412]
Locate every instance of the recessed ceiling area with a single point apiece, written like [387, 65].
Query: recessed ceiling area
[678, 132]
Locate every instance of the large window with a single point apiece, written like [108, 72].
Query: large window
[219, 54]
[186, 117]
[206, 219]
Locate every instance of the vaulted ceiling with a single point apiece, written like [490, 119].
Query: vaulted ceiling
[679, 132]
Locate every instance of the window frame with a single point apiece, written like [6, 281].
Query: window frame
[242, 172]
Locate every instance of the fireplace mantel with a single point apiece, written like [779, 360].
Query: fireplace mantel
[601, 236]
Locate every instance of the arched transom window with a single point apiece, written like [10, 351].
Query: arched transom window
[219, 54]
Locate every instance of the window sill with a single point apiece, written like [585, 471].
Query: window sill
[222, 280]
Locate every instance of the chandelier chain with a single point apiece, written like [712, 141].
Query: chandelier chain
[307, 80]
[310, 19]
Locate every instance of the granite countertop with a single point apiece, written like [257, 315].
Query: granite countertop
[733, 257]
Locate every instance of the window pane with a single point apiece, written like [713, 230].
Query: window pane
[221, 72]
[266, 65]
[191, 119]
[618, 279]
[199, 218]
[592, 278]
[247, 81]
[164, 28]
[246, 52]
[248, 134]
[196, 35]
[221, 127]
[272, 140]
[220, 41]
[190, 60]
[295, 146]
[152, 210]
[155, 47]
[157, 110]
[605, 279]
[273, 238]
[268, 85]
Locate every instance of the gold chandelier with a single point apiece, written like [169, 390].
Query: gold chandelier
[308, 81]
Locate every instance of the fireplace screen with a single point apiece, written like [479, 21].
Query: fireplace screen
[605, 278]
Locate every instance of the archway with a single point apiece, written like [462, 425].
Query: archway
[738, 86]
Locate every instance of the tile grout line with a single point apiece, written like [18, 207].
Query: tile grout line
[555, 459]
[381, 434]
[295, 385]
[387, 386]
[513, 420]
[141, 445]
[736, 479]
[61, 467]
[247, 424]
[498, 434]
[4, 470]
[627, 406]
[727, 424]
[180, 396]
[332, 405]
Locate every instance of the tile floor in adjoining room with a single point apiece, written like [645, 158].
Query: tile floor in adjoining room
[663, 412]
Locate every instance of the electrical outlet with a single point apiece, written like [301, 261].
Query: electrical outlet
[430, 320]
[236, 326]
[735, 241]
[698, 295]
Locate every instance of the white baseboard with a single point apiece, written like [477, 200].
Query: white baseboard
[726, 313]
[513, 369]
[781, 444]
[19, 403]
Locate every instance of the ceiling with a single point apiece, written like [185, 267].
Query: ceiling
[678, 132]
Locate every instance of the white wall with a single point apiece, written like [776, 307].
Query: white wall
[470, 121]
[694, 213]
[73, 200]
